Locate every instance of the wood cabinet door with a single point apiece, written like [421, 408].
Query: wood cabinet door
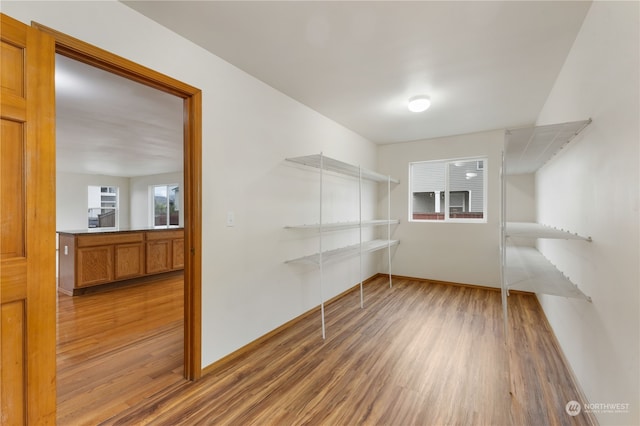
[95, 265]
[27, 233]
[129, 261]
[177, 253]
[158, 256]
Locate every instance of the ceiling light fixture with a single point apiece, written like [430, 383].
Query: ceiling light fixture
[419, 103]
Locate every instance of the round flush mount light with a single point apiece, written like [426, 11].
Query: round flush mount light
[419, 103]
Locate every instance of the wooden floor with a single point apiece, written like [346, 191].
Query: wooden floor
[418, 354]
[116, 348]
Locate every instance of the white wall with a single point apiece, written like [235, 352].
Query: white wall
[72, 199]
[457, 252]
[140, 200]
[520, 198]
[247, 289]
[592, 188]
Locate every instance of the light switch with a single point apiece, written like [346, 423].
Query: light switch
[66, 250]
[231, 220]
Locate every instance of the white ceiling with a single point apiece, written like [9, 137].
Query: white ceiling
[485, 65]
[108, 125]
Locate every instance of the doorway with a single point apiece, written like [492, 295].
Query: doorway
[192, 98]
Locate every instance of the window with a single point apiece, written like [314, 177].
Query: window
[103, 206]
[165, 205]
[451, 190]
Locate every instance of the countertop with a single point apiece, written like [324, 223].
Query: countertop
[93, 231]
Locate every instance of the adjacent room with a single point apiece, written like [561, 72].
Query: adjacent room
[409, 212]
[119, 219]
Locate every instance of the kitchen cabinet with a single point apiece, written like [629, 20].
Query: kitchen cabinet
[89, 258]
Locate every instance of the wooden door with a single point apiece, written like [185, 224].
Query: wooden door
[27, 233]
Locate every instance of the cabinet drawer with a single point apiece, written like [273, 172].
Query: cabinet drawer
[164, 235]
[108, 239]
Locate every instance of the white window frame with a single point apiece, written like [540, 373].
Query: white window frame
[152, 218]
[447, 219]
[116, 209]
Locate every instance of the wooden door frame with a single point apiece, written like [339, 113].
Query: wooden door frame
[76, 49]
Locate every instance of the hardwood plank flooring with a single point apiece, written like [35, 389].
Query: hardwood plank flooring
[116, 348]
[418, 354]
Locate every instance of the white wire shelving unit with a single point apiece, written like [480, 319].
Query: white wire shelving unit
[527, 269]
[329, 256]
[324, 256]
[338, 226]
[536, 230]
[523, 267]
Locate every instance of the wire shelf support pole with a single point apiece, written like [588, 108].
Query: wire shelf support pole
[360, 223]
[320, 251]
[389, 228]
